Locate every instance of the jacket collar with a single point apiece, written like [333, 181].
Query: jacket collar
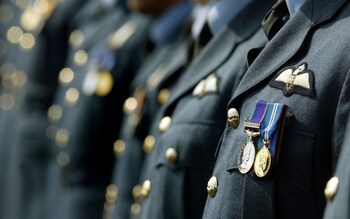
[221, 46]
[277, 52]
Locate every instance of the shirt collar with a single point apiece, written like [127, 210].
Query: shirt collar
[223, 11]
[167, 26]
[109, 3]
[200, 14]
[294, 5]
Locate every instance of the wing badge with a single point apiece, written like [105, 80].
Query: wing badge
[207, 85]
[298, 80]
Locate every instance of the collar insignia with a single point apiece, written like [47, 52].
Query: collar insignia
[208, 85]
[298, 80]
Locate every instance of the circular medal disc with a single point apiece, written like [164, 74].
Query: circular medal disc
[262, 162]
[246, 157]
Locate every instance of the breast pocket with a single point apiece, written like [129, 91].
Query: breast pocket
[296, 159]
[184, 167]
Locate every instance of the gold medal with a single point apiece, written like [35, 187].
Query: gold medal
[104, 84]
[262, 163]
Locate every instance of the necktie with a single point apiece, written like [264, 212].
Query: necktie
[273, 20]
[202, 40]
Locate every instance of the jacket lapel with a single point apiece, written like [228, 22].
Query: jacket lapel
[278, 52]
[176, 61]
[221, 46]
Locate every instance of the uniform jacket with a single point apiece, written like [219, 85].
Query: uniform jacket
[182, 159]
[314, 130]
[23, 126]
[81, 163]
[166, 61]
[338, 207]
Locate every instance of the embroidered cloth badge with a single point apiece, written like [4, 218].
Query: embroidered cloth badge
[298, 80]
[208, 85]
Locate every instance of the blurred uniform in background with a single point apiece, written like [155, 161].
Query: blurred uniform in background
[85, 114]
[187, 129]
[168, 34]
[36, 47]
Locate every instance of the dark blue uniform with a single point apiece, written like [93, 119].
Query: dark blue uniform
[188, 127]
[38, 38]
[305, 67]
[93, 86]
[165, 63]
[337, 188]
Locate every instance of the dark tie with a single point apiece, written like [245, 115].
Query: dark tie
[199, 43]
[273, 20]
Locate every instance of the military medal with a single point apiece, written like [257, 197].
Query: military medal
[270, 132]
[246, 155]
[99, 79]
[262, 163]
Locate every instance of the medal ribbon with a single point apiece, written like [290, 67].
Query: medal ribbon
[259, 113]
[257, 117]
[271, 125]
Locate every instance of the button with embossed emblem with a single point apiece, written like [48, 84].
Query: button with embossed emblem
[233, 117]
[331, 188]
[164, 124]
[171, 155]
[212, 186]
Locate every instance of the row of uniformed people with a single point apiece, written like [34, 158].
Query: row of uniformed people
[34, 47]
[28, 185]
[277, 149]
[177, 113]
[84, 117]
[179, 145]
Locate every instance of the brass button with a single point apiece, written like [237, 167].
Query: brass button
[137, 193]
[130, 105]
[119, 148]
[72, 96]
[171, 155]
[63, 159]
[62, 137]
[164, 124]
[31, 20]
[212, 186]
[27, 41]
[146, 188]
[14, 34]
[163, 96]
[18, 78]
[135, 209]
[7, 101]
[331, 188]
[233, 118]
[104, 84]
[66, 76]
[54, 113]
[80, 58]
[111, 193]
[148, 143]
[76, 38]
